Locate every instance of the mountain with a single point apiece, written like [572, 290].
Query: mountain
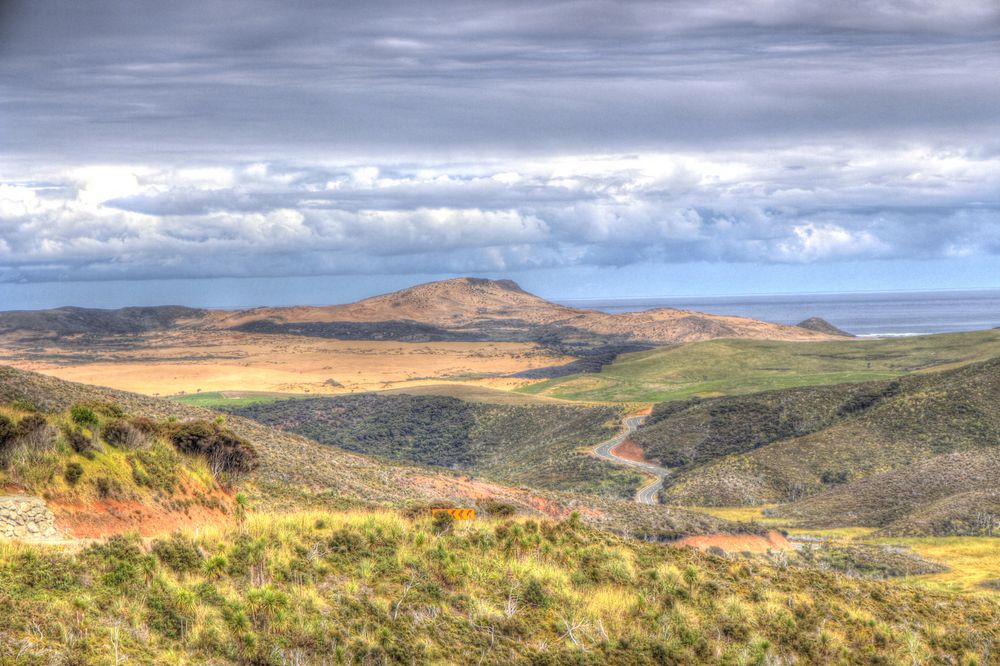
[785, 445]
[458, 309]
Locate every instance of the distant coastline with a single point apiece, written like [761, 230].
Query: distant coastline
[865, 314]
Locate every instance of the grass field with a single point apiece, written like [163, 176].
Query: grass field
[732, 367]
[216, 399]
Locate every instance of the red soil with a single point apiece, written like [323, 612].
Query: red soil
[629, 450]
[107, 517]
[738, 543]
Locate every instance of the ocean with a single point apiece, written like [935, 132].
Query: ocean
[863, 314]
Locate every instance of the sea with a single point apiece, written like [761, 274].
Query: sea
[870, 314]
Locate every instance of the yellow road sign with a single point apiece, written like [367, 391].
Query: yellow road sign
[457, 514]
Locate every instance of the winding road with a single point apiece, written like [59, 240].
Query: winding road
[648, 493]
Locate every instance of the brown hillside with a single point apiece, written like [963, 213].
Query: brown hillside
[499, 309]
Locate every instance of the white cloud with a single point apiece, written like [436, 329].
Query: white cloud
[816, 203]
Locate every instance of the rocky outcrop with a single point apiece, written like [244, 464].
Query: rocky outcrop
[823, 326]
[24, 517]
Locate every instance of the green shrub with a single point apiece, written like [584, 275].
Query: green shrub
[497, 509]
[157, 466]
[121, 562]
[73, 473]
[84, 416]
[171, 610]
[179, 554]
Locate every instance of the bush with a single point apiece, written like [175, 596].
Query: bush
[179, 554]
[8, 435]
[497, 509]
[80, 443]
[123, 435]
[34, 434]
[226, 453]
[83, 415]
[145, 425]
[73, 473]
[109, 488]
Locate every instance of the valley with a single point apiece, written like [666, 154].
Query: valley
[766, 491]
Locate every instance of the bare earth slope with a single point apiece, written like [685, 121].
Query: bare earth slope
[295, 471]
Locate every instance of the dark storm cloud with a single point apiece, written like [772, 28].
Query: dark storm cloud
[142, 139]
[100, 79]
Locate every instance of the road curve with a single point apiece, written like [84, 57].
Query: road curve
[648, 493]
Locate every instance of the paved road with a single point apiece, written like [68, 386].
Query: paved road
[648, 493]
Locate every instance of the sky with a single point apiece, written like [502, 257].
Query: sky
[228, 153]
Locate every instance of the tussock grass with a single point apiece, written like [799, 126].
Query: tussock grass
[379, 587]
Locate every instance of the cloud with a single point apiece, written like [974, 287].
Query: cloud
[782, 206]
[267, 138]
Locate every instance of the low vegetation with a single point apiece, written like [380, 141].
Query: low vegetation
[734, 367]
[94, 451]
[873, 429]
[362, 587]
[542, 446]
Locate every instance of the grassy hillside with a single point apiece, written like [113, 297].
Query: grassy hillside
[951, 494]
[734, 367]
[95, 458]
[885, 427]
[379, 588]
[542, 446]
[685, 433]
[295, 471]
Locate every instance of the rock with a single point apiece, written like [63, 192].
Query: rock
[823, 326]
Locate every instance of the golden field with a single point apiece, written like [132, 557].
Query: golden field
[190, 361]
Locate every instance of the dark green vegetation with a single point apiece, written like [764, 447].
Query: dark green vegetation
[950, 494]
[920, 449]
[378, 588]
[542, 446]
[734, 367]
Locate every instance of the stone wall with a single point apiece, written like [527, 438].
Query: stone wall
[22, 516]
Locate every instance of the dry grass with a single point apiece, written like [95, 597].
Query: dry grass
[192, 361]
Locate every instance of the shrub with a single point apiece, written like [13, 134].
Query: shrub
[83, 415]
[124, 435]
[179, 554]
[226, 452]
[171, 609]
[156, 467]
[80, 443]
[145, 425]
[121, 562]
[194, 437]
[35, 435]
[8, 436]
[109, 488]
[497, 509]
[73, 473]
